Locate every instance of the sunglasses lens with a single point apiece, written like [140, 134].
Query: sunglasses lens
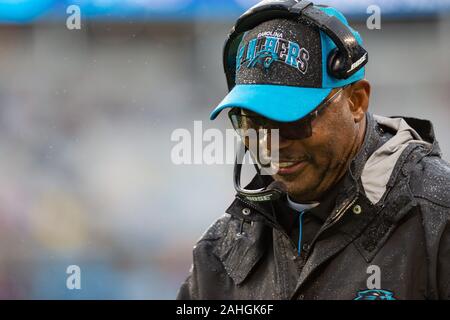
[288, 130]
[296, 130]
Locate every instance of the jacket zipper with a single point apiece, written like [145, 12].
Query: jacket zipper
[339, 214]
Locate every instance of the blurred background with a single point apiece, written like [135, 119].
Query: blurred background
[86, 118]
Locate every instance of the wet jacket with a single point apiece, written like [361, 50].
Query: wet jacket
[383, 231]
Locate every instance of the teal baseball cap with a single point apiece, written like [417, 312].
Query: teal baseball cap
[281, 69]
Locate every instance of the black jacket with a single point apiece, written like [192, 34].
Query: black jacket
[397, 248]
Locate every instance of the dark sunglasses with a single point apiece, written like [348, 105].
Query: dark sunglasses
[296, 130]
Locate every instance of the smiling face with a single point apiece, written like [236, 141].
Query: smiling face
[311, 166]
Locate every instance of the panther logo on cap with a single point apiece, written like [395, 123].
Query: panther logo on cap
[265, 58]
[265, 50]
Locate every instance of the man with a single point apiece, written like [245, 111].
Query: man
[367, 205]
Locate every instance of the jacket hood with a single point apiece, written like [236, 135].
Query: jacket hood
[379, 166]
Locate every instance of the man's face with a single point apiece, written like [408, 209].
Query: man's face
[310, 166]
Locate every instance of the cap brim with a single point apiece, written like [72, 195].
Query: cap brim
[276, 102]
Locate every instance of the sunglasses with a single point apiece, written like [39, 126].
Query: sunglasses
[295, 130]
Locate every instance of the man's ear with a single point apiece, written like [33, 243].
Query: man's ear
[358, 99]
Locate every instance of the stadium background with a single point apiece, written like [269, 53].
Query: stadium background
[86, 118]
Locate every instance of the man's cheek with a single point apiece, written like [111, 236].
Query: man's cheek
[319, 158]
[326, 150]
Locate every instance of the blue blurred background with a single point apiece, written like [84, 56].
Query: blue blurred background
[86, 118]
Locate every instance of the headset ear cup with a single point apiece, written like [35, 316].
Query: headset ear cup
[337, 64]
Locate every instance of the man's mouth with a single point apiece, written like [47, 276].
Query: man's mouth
[286, 164]
[288, 167]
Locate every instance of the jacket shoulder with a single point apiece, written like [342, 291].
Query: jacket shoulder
[216, 238]
[217, 230]
[430, 185]
[430, 181]
[206, 268]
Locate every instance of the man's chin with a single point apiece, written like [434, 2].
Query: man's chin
[293, 189]
[301, 185]
[296, 188]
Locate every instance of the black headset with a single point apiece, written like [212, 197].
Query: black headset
[345, 60]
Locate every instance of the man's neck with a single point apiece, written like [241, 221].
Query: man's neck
[356, 147]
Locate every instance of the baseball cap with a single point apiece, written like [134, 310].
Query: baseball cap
[281, 69]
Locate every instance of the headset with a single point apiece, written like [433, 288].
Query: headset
[274, 191]
[345, 60]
